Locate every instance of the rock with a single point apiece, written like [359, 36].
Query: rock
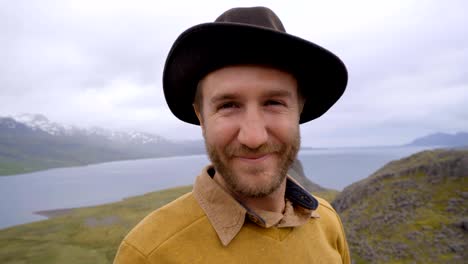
[456, 248]
[464, 225]
[414, 235]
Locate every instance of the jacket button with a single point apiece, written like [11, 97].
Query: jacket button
[254, 219]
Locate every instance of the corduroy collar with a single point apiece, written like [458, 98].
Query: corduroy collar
[227, 215]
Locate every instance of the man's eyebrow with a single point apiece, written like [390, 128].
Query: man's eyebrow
[232, 96]
[278, 93]
[223, 97]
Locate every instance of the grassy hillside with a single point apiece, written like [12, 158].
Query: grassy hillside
[85, 235]
[10, 166]
[411, 211]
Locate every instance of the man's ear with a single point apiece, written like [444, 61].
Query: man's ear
[302, 102]
[196, 108]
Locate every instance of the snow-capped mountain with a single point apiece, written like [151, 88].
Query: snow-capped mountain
[42, 123]
[30, 142]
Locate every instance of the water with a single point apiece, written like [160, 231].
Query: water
[22, 195]
[338, 168]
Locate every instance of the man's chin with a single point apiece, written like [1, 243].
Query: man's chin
[253, 174]
[257, 183]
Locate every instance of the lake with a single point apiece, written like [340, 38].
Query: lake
[22, 195]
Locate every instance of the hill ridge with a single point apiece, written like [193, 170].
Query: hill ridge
[411, 210]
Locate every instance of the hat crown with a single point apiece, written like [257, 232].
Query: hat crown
[253, 16]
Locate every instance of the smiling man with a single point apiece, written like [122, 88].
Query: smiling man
[249, 85]
[249, 117]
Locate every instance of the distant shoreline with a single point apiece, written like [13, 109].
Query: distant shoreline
[54, 212]
[95, 163]
[21, 171]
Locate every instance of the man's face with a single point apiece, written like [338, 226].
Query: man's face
[250, 121]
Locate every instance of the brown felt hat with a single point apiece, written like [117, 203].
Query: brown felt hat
[250, 36]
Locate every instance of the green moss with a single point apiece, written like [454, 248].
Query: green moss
[427, 220]
[447, 258]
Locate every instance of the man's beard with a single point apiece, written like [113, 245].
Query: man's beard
[285, 153]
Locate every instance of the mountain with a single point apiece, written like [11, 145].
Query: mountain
[459, 139]
[32, 142]
[38, 122]
[413, 210]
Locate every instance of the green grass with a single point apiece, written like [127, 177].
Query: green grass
[12, 166]
[84, 235]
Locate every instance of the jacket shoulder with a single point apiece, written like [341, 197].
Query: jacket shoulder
[325, 205]
[331, 222]
[164, 223]
[328, 215]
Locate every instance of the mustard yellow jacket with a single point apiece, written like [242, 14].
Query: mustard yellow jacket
[180, 232]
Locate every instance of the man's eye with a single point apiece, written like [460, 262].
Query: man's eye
[273, 102]
[227, 105]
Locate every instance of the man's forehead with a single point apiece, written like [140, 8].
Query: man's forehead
[222, 95]
[234, 80]
[248, 70]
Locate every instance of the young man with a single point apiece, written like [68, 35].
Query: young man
[249, 85]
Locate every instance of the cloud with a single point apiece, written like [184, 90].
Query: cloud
[399, 106]
[100, 63]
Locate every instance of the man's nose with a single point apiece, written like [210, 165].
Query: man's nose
[253, 131]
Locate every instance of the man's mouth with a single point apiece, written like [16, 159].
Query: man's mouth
[253, 158]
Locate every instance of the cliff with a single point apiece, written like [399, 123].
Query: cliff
[413, 210]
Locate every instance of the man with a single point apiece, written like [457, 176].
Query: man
[249, 85]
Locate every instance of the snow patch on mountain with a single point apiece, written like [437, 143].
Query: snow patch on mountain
[8, 122]
[40, 122]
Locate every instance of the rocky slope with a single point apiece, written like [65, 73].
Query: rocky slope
[414, 210]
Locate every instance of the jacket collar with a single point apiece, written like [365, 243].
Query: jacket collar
[227, 215]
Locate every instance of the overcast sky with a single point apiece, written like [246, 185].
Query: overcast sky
[99, 63]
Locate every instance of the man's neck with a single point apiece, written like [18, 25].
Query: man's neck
[273, 202]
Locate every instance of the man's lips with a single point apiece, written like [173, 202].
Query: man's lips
[253, 158]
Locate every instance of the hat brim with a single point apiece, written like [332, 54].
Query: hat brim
[321, 76]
